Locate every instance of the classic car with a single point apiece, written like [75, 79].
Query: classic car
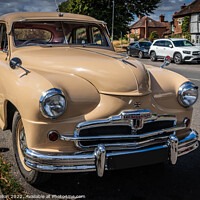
[140, 49]
[73, 104]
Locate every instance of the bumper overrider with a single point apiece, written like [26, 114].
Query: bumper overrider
[145, 142]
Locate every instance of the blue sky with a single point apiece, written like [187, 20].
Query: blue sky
[166, 7]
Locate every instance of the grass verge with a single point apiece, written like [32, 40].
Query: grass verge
[9, 186]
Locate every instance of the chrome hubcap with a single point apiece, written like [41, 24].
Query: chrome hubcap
[22, 140]
[177, 58]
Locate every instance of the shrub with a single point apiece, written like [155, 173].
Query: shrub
[153, 36]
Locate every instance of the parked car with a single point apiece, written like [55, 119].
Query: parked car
[139, 49]
[180, 50]
[75, 105]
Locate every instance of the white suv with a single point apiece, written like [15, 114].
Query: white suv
[180, 50]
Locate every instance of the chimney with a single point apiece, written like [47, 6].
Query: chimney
[183, 6]
[162, 18]
[146, 28]
[140, 17]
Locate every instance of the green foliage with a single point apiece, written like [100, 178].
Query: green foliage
[143, 40]
[134, 36]
[175, 36]
[153, 36]
[102, 10]
[185, 27]
[8, 185]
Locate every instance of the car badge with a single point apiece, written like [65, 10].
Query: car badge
[136, 119]
[137, 104]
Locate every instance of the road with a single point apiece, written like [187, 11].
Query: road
[162, 182]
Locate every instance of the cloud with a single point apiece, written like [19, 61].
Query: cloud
[27, 6]
[168, 8]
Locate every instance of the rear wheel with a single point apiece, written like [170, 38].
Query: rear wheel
[140, 54]
[178, 58]
[19, 144]
[153, 56]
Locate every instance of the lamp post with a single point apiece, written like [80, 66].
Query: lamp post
[113, 14]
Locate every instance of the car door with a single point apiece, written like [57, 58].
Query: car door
[168, 50]
[161, 49]
[135, 49]
[157, 48]
[4, 67]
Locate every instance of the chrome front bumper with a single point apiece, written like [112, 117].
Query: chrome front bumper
[101, 159]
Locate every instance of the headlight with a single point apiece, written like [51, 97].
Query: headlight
[52, 103]
[187, 52]
[187, 94]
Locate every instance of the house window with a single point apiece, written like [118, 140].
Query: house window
[199, 18]
[198, 39]
[180, 21]
[136, 31]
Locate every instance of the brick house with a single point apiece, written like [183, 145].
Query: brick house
[193, 11]
[146, 25]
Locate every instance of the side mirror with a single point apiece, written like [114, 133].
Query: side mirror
[170, 46]
[15, 62]
[167, 61]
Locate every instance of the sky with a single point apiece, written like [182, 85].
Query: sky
[166, 7]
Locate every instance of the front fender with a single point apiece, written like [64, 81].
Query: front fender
[164, 87]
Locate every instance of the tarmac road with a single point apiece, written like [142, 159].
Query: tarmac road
[162, 182]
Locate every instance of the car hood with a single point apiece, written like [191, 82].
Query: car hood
[190, 48]
[108, 71]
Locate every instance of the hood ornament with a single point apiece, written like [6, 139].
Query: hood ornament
[167, 61]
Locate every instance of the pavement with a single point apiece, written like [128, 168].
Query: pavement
[157, 182]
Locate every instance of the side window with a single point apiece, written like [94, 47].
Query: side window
[167, 43]
[81, 36]
[97, 37]
[162, 44]
[3, 38]
[156, 43]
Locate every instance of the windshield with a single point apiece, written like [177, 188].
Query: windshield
[58, 33]
[182, 43]
[145, 44]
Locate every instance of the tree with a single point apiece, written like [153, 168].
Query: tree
[185, 27]
[153, 36]
[102, 10]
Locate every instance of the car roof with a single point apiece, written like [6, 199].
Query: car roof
[10, 18]
[171, 39]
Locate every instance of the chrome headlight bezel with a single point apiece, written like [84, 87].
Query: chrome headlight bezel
[183, 88]
[48, 94]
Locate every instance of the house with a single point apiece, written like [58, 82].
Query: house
[193, 11]
[146, 25]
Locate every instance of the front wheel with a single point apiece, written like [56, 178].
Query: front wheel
[140, 54]
[153, 56]
[178, 58]
[19, 144]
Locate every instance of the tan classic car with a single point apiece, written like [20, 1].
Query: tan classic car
[75, 105]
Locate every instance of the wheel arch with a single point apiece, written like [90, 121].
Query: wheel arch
[10, 109]
[175, 53]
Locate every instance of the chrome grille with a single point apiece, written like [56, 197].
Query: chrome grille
[196, 53]
[123, 131]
